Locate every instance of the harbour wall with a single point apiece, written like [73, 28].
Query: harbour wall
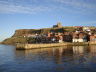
[35, 46]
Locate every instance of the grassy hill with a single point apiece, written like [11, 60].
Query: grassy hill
[18, 35]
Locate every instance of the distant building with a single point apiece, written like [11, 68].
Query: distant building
[93, 38]
[59, 25]
[86, 29]
[80, 37]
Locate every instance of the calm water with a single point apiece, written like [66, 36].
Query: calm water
[62, 59]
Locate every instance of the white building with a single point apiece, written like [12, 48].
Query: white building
[78, 40]
[86, 29]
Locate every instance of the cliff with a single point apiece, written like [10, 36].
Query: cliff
[22, 32]
[18, 36]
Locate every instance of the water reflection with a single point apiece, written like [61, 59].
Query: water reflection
[78, 49]
[57, 59]
[93, 50]
[58, 55]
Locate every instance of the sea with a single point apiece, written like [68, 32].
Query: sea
[56, 59]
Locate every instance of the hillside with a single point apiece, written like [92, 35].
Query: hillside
[22, 32]
[18, 35]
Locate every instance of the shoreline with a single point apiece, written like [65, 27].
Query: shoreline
[36, 46]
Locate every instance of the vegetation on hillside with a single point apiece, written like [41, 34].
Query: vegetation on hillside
[18, 36]
[14, 40]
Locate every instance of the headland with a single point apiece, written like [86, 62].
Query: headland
[57, 35]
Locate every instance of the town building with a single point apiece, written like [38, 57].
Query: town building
[81, 34]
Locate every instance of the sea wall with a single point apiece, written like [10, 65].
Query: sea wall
[35, 46]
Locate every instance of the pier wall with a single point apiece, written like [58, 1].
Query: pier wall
[34, 46]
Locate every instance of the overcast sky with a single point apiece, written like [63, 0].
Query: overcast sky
[33, 14]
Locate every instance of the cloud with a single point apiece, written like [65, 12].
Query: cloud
[39, 6]
[77, 6]
[77, 3]
[6, 7]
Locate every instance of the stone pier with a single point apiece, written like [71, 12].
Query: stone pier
[35, 46]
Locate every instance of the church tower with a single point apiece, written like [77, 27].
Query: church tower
[59, 25]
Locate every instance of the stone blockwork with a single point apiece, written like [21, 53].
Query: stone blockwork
[35, 46]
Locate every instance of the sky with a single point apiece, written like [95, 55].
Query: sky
[36, 14]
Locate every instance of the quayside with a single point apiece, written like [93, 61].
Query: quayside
[49, 45]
